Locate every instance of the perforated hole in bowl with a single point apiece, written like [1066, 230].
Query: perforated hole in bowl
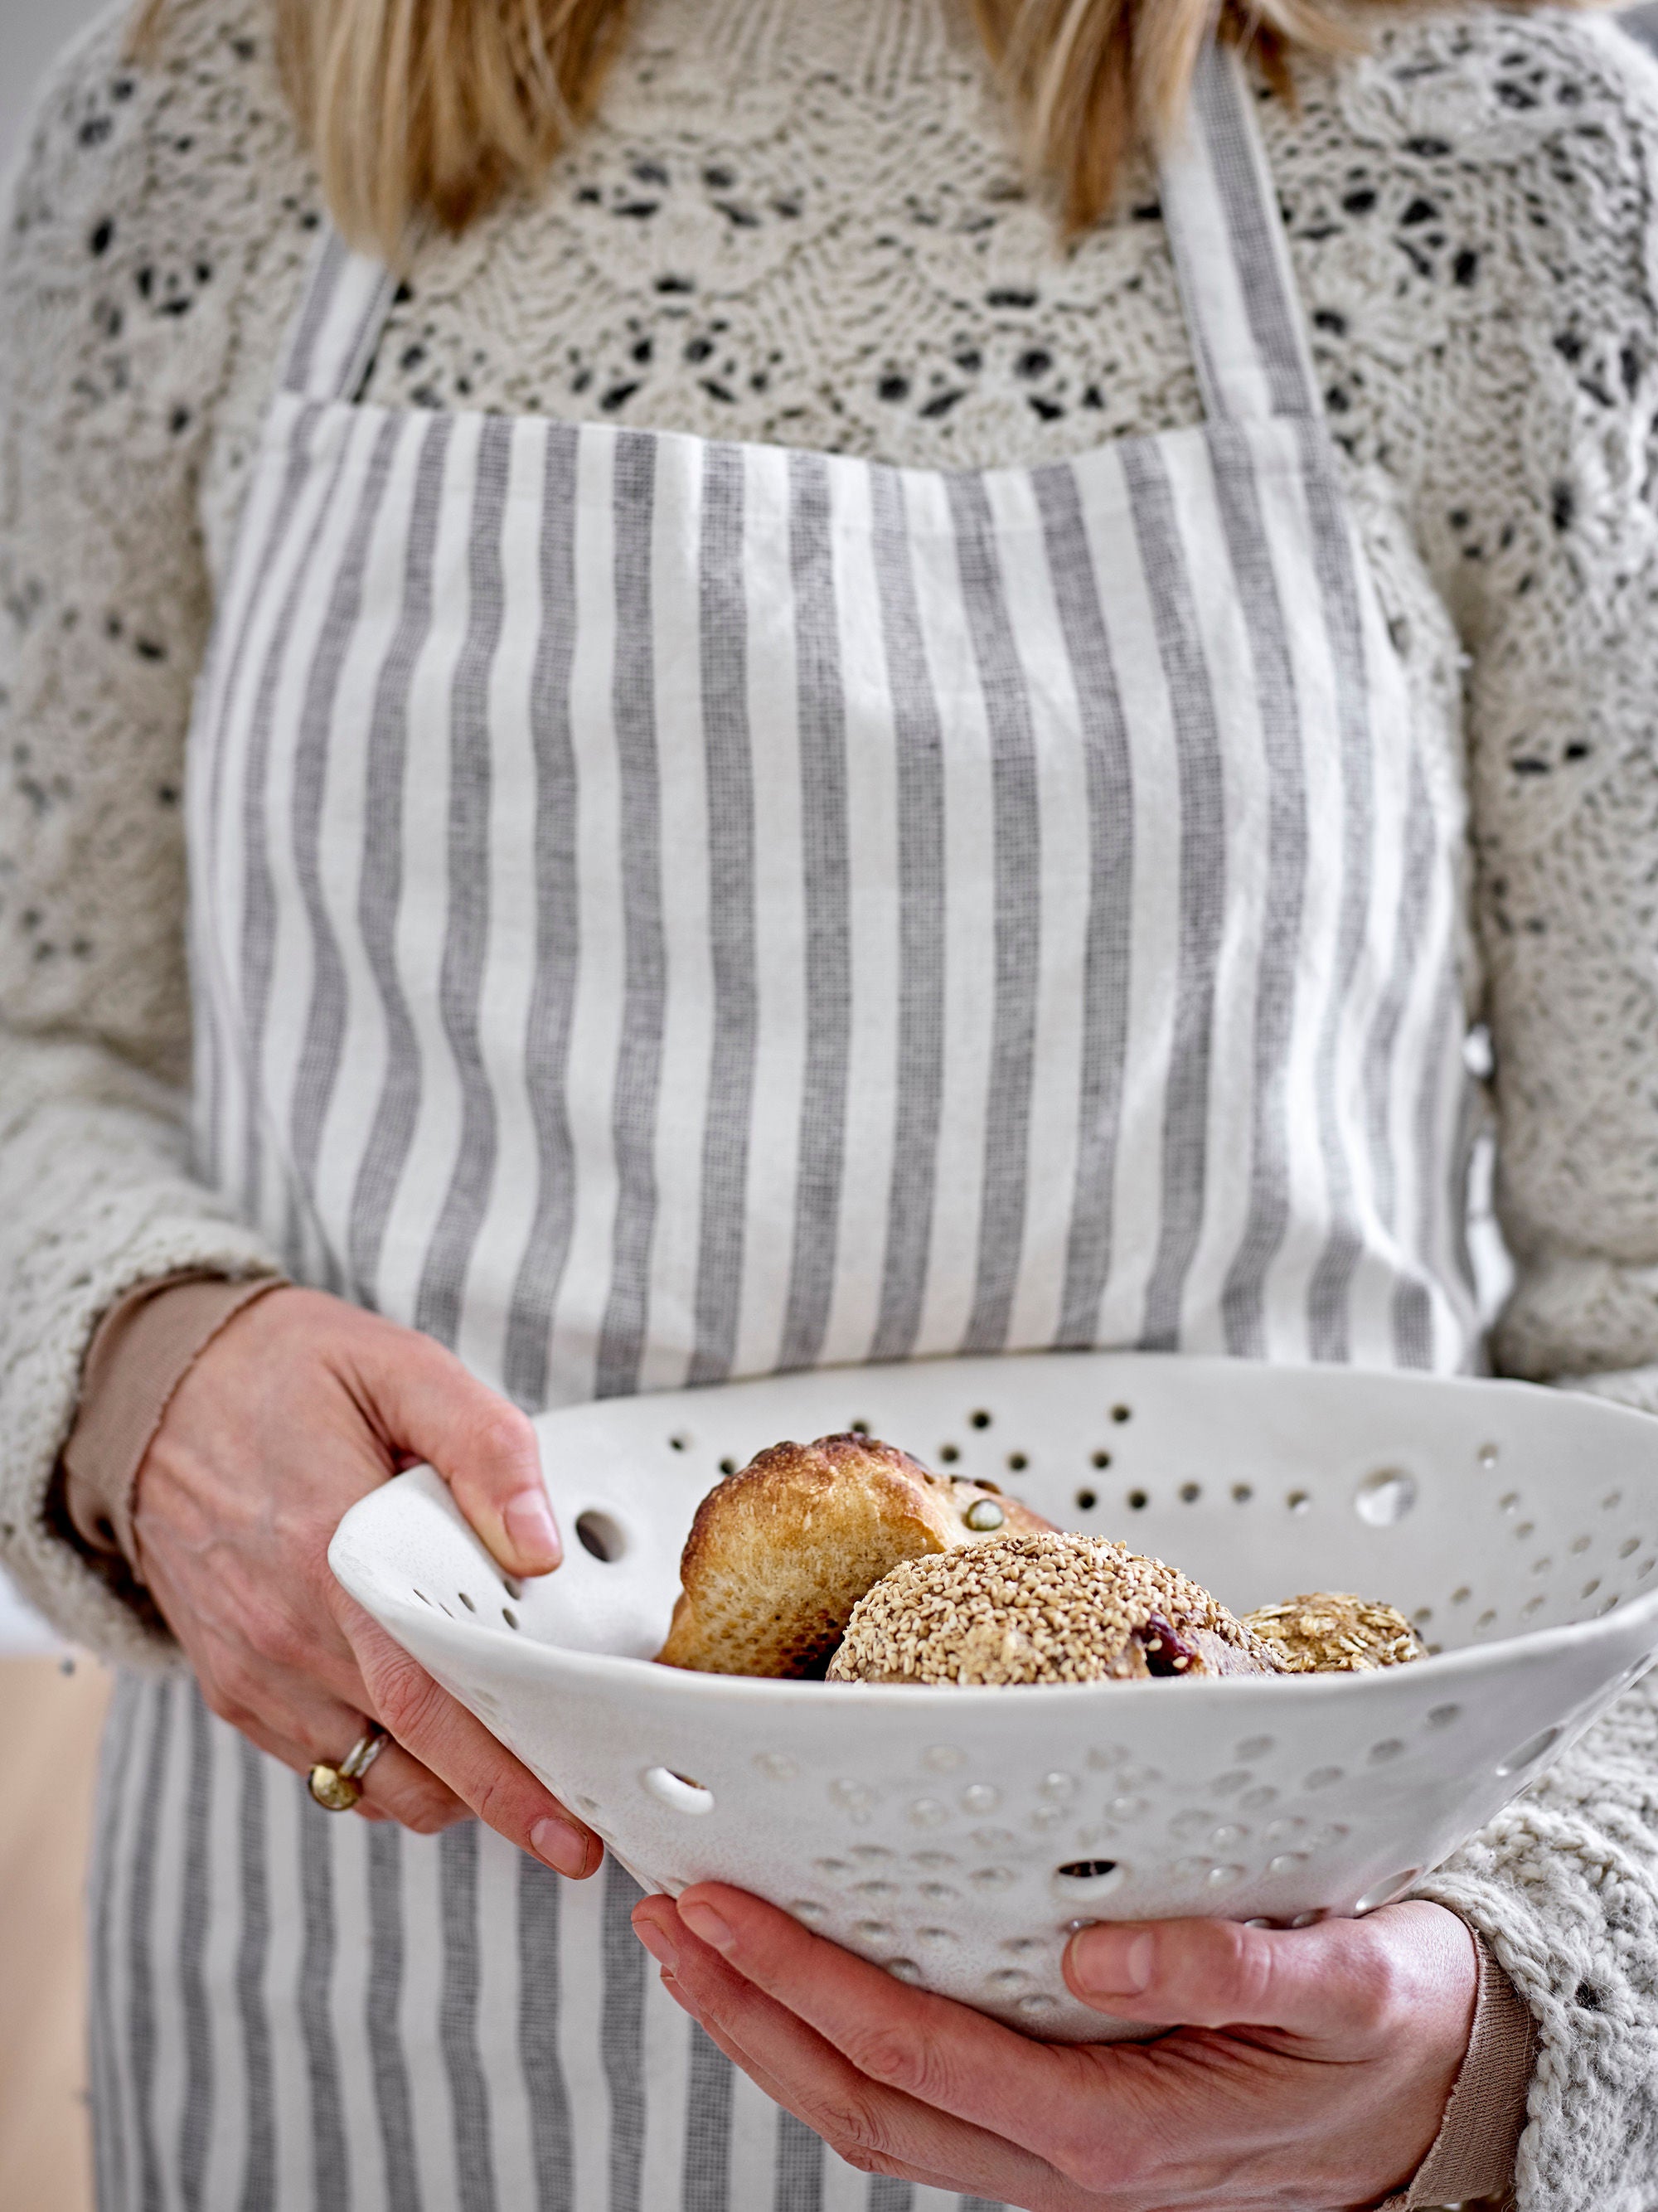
[1527, 1754]
[602, 1535]
[678, 1790]
[1385, 1892]
[1083, 1881]
[1385, 1497]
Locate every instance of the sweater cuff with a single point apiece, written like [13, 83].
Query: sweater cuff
[1471, 2158]
[144, 1347]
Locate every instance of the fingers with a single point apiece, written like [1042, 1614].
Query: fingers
[485, 1449]
[440, 1732]
[403, 1789]
[286, 1718]
[876, 2128]
[1057, 2103]
[1344, 1983]
[779, 2090]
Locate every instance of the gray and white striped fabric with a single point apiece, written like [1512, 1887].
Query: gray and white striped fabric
[667, 910]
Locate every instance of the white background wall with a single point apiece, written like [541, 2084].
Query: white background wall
[30, 33]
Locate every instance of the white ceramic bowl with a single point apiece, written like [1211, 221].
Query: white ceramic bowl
[956, 1834]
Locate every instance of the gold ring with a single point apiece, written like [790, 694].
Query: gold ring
[337, 1788]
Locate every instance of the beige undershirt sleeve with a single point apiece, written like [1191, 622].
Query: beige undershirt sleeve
[144, 1347]
[1471, 2158]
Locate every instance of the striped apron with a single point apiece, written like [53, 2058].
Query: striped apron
[666, 910]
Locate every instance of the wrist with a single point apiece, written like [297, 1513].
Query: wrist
[1472, 2157]
[143, 1350]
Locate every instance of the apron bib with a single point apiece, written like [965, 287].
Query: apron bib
[665, 911]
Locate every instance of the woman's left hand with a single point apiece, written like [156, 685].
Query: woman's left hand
[1312, 2071]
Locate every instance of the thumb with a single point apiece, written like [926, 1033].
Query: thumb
[1343, 1982]
[429, 1405]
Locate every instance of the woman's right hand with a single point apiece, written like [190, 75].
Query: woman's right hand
[298, 1406]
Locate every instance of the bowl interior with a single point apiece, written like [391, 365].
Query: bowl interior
[1483, 1511]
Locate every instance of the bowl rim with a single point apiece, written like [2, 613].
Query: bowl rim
[354, 1568]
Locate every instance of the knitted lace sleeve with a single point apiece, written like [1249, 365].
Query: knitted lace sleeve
[1563, 1886]
[1502, 367]
[114, 328]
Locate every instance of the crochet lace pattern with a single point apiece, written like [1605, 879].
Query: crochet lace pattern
[806, 224]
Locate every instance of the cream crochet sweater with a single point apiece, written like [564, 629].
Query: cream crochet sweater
[800, 221]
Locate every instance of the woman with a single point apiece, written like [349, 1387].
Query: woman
[675, 895]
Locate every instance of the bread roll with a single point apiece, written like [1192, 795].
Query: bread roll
[779, 1553]
[1333, 1633]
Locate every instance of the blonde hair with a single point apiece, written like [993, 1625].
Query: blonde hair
[433, 109]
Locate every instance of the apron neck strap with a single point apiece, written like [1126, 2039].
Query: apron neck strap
[1224, 230]
[343, 310]
[1226, 233]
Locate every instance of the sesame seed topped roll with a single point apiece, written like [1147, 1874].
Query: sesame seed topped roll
[1042, 1609]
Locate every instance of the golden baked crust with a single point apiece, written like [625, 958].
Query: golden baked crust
[1042, 1609]
[779, 1553]
[1333, 1633]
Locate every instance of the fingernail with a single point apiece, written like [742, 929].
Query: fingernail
[562, 1847]
[528, 1521]
[1112, 1962]
[657, 1942]
[704, 1922]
